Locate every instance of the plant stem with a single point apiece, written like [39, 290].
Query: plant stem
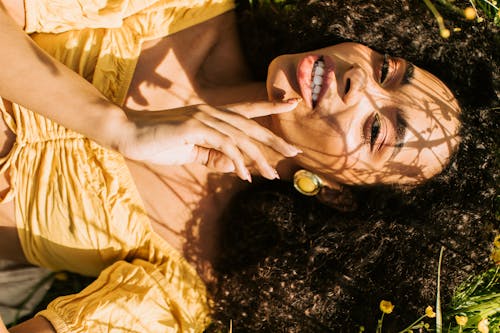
[412, 324]
[439, 318]
[379, 324]
[436, 14]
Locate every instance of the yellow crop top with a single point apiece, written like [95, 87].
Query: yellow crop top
[76, 205]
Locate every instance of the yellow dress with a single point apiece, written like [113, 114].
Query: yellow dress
[76, 205]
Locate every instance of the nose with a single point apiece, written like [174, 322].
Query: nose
[354, 84]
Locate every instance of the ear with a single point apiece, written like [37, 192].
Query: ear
[333, 185]
[340, 198]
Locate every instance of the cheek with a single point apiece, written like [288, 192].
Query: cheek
[323, 145]
[407, 167]
[325, 154]
[319, 137]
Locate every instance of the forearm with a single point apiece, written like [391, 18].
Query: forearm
[15, 9]
[33, 79]
[33, 325]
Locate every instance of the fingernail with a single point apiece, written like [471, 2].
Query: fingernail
[292, 100]
[248, 176]
[295, 150]
[271, 173]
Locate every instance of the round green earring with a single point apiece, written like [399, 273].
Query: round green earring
[307, 182]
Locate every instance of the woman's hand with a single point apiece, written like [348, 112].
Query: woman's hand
[218, 137]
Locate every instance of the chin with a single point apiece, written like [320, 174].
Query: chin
[281, 83]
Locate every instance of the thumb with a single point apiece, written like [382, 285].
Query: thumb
[213, 159]
[264, 108]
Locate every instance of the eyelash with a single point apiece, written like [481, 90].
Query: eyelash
[373, 131]
[376, 124]
[375, 127]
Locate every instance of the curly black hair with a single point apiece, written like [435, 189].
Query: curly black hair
[467, 61]
[288, 263]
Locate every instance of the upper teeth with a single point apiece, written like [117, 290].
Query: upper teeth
[317, 79]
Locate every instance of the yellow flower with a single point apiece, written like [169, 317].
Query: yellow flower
[461, 320]
[445, 33]
[482, 326]
[429, 312]
[496, 242]
[469, 13]
[386, 306]
[495, 256]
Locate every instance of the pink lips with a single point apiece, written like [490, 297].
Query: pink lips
[304, 75]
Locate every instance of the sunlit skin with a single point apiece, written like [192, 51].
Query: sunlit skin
[378, 119]
[204, 65]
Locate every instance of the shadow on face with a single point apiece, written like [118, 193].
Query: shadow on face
[374, 119]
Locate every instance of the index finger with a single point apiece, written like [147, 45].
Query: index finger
[263, 108]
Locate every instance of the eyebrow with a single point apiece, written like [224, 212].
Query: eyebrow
[401, 129]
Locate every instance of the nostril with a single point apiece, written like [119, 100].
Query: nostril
[347, 86]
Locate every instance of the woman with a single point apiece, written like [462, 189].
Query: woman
[373, 156]
[313, 270]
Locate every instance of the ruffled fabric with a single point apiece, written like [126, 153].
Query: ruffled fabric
[84, 212]
[76, 205]
[63, 15]
[132, 297]
[107, 56]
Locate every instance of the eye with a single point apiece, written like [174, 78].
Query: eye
[375, 131]
[384, 69]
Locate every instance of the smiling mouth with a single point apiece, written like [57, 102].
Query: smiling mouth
[315, 74]
[317, 79]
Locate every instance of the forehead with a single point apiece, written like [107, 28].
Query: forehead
[427, 94]
[430, 110]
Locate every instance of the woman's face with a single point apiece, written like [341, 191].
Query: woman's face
[364, 118]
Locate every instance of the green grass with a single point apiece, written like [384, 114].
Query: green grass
[477, 299]
[475, 302]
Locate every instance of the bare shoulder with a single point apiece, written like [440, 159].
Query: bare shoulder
[15, 8]
[225, 64]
